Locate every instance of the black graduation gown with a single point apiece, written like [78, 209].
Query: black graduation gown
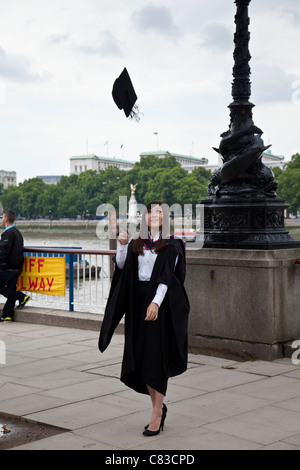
[162, 345]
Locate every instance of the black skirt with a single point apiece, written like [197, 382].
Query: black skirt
[148, 349]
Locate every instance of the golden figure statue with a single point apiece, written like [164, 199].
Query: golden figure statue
[133, 188]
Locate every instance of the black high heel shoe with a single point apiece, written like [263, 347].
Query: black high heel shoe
[147, 432]
[164, 411]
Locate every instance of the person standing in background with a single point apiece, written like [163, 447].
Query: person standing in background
[11, 265]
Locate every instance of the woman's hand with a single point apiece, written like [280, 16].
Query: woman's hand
[123, 237]
[152, 312]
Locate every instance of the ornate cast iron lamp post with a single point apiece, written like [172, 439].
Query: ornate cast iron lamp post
[242, 209]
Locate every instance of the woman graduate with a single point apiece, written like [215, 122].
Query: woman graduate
[148, 287]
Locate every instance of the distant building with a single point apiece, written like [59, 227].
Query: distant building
[268, 159]
[81, 163]
[189, 163]
[8, 178]
[50, 179]
[273, 161]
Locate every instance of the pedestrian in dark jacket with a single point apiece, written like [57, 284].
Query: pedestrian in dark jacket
[11, 265]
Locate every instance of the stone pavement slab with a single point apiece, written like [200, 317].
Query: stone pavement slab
[56, 375]
[272, 424]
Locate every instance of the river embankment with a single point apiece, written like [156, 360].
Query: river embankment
[73, 228]
[58, 227]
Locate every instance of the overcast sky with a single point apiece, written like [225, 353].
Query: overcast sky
[59, 60]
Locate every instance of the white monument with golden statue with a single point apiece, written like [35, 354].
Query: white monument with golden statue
[132, 209]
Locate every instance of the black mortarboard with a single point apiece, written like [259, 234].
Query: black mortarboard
[124, 95]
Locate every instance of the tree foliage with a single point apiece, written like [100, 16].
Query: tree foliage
[289, 183]
[160, 179]
[157, 179]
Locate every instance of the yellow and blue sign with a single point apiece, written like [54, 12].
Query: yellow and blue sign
[43, 275]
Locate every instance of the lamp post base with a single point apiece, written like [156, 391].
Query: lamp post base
[257, 223]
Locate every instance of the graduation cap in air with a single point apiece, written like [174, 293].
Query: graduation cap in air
[125, 97]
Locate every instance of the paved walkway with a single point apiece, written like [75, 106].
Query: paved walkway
[56, 375]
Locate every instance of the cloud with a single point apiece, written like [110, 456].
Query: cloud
[57, 39]
[107, 47]
[271, 84]
[158, 19]
[17, 68]
[110, 45]
[293, 15]
[288, 9]
[218, 37]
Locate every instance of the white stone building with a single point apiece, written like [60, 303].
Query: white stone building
[81, 163]
[268, 159]
[189, 163]
[8, 178]
[273, 161]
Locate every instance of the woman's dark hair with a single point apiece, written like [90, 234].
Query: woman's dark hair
[139, 242]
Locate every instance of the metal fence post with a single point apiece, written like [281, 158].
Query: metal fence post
[71, 283]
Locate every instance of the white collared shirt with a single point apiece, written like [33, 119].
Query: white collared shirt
[145, 268]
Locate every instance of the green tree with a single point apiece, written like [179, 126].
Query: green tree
[277, 172]
[190, 191]
[88, 183]
[47, 201]
[164, 183]
[202, 175]
[10, 199]
[289, 184]
[30, 191]
[70, 203]
[161, 179]
[156, 178]
[295, 162]
[68, 181]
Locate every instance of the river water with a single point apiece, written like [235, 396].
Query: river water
[87, 241]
